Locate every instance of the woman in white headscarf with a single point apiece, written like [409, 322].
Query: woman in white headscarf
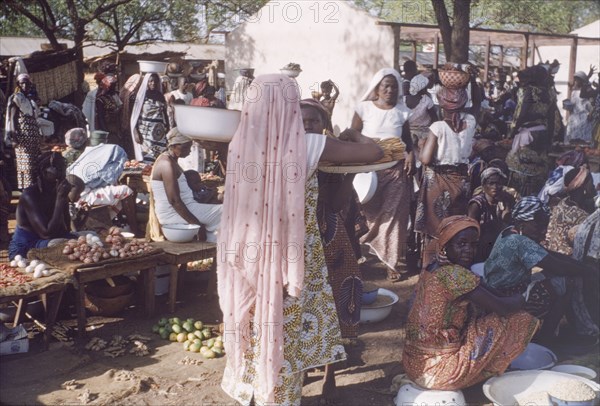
[383, 114]
[579, 126]
[422, 110]
[149, 120]
[23, 132]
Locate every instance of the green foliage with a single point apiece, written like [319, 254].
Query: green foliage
[555, 16]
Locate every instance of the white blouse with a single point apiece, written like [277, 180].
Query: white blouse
[380, 123]
[454, 148]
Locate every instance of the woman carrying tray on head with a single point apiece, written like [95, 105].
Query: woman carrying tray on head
[382, 114]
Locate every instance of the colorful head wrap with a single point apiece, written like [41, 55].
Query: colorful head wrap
[107, 81]
[578, 180]
[527, 208]
[452, 101]
[489, 172]
[418, 83]
[76, 138]
[450, 226]
[174, 137]
[321, 110]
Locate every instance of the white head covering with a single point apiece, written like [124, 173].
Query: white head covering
[370, 93]
[418, 83]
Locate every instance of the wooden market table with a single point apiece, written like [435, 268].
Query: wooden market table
[176, 254]
[82, 274]
[49, 289]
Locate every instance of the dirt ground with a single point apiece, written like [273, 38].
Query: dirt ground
[161, 378]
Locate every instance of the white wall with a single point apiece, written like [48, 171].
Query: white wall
[586, 55]
[330, 40]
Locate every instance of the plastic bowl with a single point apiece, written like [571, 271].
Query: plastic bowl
[578, 370]
[369, 297]
[410, 394]
[508, 388]
[375, 314]
[153, 66]
[535, 356]
[180, 232]
[207, 123]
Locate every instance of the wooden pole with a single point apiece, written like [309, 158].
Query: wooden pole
[533, 48]
[524, 52]
[414, 51]
[486, 70]
[396, 30]
[501, 58]
[436, 46]
[572, 66]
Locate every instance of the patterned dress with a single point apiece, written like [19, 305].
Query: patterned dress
[27, 138]
[311, 326]
[153, 127]
[565, 215]
[449, 344]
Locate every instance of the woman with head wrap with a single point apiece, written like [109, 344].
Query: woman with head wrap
[76, 140]
[579, 124]
[337, 211]
[271, 270]
[548, 293]
[43, 209]
[173, 198]
[445, 184]
[383, 114]
[149, 120]
[571, 210]
[422, 110]
[531, 129]
[449, 345]
[108, 109]
[23, 132]
[491, 208]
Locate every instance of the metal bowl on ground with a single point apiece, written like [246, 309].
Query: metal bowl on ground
[101, 306]
[578, 370]
[515, 386]
[374, 312]
[369, 293]
[411, 394]
[180, 232]
[207, 123]
[534, 356]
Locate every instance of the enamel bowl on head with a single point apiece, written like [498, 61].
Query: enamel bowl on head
[207, 123]
[153, 67]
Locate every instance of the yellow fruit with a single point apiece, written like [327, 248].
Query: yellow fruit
[186, 345]
[218, 344]
[172, 337]
[218, 351]
[195, 347]
[181, 337]
[199, 334]
[176, 328]
[198, 325]
[203, 349]
[206, 332]
[198, 341]
[188, 326]
[176, 320]
[210, 343]
[191, 336]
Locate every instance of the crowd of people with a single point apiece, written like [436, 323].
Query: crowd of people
[475, 186]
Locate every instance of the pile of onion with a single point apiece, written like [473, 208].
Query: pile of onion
[91, 249]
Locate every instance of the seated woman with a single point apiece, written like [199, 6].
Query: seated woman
[450, 346]
[43, 209]
[173, 199]
[76, 140]
[571, 210]
[550, 293]
[491, 208]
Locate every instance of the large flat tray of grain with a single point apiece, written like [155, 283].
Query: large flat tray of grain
[393, 151]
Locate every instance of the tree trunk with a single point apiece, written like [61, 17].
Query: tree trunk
[460, 31]
[441, 15]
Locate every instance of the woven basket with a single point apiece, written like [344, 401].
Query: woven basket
[99, 306]
[453, 79]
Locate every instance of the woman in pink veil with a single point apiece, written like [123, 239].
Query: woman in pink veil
[278, 309]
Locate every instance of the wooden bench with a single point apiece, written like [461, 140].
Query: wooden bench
[145, 264]
[176, 254]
